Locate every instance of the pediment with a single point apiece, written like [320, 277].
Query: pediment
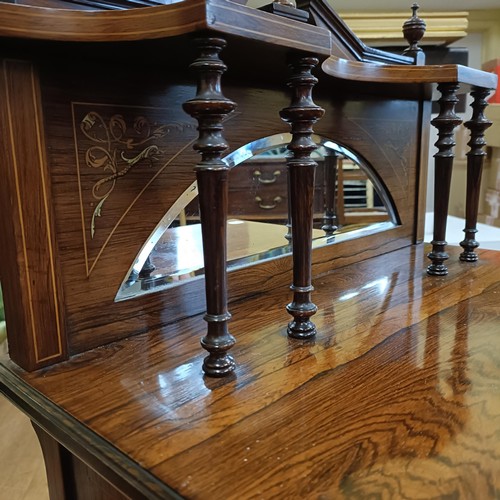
[345, 44]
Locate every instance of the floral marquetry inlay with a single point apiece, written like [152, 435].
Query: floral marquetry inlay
[117, 150]
[121, 152]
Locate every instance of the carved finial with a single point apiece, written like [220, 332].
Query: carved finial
[413, 31]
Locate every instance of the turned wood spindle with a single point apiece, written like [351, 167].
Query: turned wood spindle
[475, 159]
[210, 107]
[288, 224]
[147, 268]
[301, 115]
[330, 222]
[445, 122]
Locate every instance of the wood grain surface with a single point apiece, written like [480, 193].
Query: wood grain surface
[94, 263]
[32, 287]
[442, 73]
[397, 397]
[31, 22]
[97, 218]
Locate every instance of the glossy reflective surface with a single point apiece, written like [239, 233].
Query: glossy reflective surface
[350, 201]
[398, 397]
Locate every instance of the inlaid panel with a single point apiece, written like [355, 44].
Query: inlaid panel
[119, 154]
[30, 254]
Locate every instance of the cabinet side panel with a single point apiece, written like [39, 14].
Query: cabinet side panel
[33, 299]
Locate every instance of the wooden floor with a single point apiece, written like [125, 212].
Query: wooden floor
[398, 397]
[22, 471]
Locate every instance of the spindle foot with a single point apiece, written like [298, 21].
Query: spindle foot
[438, 256]
[218, 363]
[469, 244]
[469, 256]
[301, 327]
[437, 270]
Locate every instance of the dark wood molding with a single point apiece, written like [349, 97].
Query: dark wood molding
[222, 16]
[346, 44]
[99, 454]
[431, 74]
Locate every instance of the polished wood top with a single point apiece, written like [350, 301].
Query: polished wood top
[188, 16]
[391, 73]
[398, 395]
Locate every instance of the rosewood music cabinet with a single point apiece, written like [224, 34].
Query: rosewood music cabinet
[113, 123]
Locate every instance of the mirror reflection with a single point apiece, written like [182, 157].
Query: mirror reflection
[349, 202]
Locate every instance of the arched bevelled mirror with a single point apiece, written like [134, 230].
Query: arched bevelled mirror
[349, 202]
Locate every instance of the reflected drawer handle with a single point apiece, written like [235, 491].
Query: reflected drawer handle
[266, 180]
[277, 199]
